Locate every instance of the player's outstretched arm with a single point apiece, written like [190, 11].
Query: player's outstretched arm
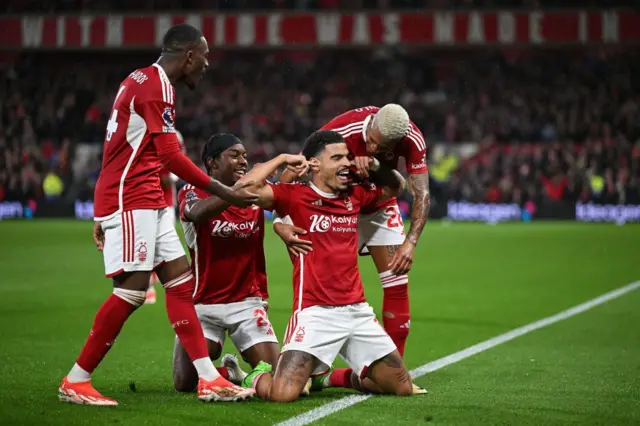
[288, 176]
[389, 179]
[261, 172]
[201, 210]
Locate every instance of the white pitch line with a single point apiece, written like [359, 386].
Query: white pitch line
[342, 403]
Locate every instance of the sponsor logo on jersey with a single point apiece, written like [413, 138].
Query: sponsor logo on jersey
[324, 223]
[420, 165]
[226, 229]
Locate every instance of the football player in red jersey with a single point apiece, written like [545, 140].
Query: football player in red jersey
[387, 134]
[331, 315]
[226, 247]
[132, 227]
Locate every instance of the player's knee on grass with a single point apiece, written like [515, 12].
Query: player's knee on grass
[293, 370]
[185, 376]
[391, 376]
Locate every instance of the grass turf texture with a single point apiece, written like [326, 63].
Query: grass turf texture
[469, 282]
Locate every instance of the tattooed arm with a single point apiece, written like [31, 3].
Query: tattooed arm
[403, 256]
[419, 187]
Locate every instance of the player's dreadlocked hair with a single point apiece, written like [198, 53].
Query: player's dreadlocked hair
[180, 37]
[318, 140]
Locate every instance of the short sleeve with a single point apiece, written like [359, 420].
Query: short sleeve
[368, 195]
[159, 116]
[416, 151]
[282, 198]
[186, 194]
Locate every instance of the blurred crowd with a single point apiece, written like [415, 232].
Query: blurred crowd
[549, 122]
[17, 6]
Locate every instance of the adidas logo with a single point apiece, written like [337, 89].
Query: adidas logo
[406, 324]
[317, 203]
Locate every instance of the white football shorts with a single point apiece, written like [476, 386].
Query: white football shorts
[382, 228]
[139, 240]
[246, 322]
[351, 331]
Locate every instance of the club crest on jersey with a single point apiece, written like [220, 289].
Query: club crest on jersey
[348, 204]
[167, 117]
[300, 335]
[191, 195]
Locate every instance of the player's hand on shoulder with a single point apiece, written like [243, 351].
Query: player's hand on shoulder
[290, 235]
[98, 236]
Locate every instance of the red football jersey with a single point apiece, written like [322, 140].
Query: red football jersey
[227, 252]
[130, 177]
[352, 126]
[328, 276]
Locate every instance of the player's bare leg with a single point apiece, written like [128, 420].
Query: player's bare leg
[185, 376]
[387, 375]
[178, 281]
[395, 304]
[290, 378]
[128, 294]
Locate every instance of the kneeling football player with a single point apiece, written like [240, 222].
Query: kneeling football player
[331, 316]
[226, 247]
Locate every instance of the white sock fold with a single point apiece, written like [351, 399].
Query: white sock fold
[206, 369]
[78, 374]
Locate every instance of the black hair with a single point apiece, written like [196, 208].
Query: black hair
[180, 37]
[318, 140]
[216, 145]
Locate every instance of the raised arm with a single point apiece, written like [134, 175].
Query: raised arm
[261, 172]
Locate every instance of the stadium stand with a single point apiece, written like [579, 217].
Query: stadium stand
[550, 124]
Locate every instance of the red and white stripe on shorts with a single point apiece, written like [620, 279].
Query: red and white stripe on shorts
[128, 237]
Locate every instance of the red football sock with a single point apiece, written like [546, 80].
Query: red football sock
[183, 317]
[395, 309]
[341, 378]
[224, 372]
[106, 326]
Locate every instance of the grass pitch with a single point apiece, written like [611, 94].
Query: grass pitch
[470, 282]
